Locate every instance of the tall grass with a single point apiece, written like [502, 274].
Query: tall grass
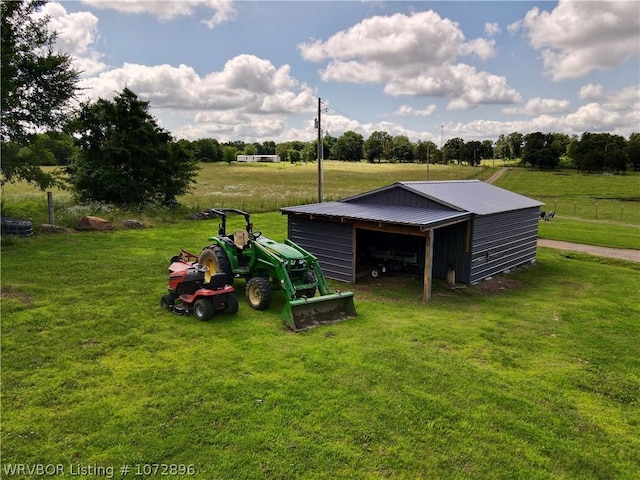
[256, 187]
[612, 201]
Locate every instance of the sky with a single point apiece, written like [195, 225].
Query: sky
[254, 70]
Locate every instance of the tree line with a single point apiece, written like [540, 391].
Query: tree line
[590, 153]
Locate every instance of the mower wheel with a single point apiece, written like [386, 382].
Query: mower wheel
[203, 309]
[232, 304]
[215, 259]
[167, 301]
[258, 293]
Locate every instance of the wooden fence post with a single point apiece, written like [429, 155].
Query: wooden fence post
[50, 207]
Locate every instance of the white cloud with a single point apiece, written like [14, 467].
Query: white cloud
[481, 47]
[422, 38]
[539, 106]
[249, 97]
[246, 83]
[491, 29]
[625, 99]
[591, 92]
[168, 10]
[579, 37]
[406, 110]
[411, 55]
[75, 35]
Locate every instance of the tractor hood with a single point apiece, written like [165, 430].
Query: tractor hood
[280, 249]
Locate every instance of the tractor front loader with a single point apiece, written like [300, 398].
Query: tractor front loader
[268, 266]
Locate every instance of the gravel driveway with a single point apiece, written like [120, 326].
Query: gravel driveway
[621, 253]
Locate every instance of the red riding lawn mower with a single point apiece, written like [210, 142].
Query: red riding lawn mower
[188, 292]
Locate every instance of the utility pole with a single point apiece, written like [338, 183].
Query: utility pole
[320, 152]
[428, 145]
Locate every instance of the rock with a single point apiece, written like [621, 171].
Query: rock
[93, 223]
[133, 224]
[49, 228]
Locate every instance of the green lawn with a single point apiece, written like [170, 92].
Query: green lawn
[533, 376]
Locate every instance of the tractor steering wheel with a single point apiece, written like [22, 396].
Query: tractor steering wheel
[256, 234]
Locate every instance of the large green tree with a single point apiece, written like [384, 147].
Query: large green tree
[348, 147]
[540, 150]
[633, 150]
[402, 151]
[426, 152]
[126, 159]
[453, 150]
[377, 145]
[37, 85]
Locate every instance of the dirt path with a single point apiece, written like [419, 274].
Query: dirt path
[496, 175]
[621, 253]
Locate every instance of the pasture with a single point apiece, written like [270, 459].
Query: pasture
[596, 209]
[532, 375]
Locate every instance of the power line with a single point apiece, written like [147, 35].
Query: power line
[345, 114]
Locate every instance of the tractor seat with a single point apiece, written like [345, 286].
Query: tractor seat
[240, 238]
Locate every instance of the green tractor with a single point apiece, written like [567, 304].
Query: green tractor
[268, 266]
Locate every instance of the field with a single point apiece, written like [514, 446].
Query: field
[595, 209]
[532, 375]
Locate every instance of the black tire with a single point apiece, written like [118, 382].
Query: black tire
[375, 272]
[309, 292]
[232, 304]
[167, 301]
[258, 292]
[215, 259]
[203, 309]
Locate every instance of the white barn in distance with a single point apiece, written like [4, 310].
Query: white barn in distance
[258, 158]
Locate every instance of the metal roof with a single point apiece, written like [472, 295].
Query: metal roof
[472, 196]
[424, 218]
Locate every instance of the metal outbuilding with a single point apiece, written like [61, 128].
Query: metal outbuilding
[468, 227]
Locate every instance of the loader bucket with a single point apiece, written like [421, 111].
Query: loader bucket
[304, 313]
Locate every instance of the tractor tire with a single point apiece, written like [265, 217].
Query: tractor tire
[215, 259]
[232, 304]
[309, 292]
[167, 301]
[203, 309]
[258, 292]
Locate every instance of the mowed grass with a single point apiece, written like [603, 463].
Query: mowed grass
[533, 376]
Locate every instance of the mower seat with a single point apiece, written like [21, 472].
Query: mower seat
[219, 280]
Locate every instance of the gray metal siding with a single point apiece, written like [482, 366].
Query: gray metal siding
[399, 197]
[331, 242]
[503, 241]
[448, 252]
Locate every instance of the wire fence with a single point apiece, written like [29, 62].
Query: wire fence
[606, 210]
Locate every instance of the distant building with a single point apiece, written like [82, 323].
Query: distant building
[259, 158]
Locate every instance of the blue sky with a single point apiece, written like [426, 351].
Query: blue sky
[252, 71]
